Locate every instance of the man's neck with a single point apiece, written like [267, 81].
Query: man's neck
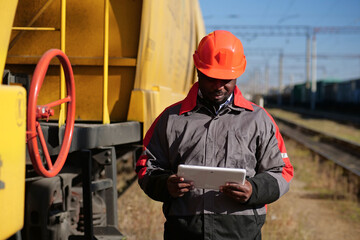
[213, 106]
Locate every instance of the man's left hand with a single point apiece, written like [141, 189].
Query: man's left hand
[238, 192]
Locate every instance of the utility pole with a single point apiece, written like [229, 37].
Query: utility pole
[291, 89]
[281, 56]
[313, 71]
[256, 82]
[308, 52]
[266, 78]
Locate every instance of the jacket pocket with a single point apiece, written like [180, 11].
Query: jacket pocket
[234, 152]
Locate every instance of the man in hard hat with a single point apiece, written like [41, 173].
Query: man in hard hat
[215, 126]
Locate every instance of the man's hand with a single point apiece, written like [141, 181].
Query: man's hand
[177, 186]
[238, 192]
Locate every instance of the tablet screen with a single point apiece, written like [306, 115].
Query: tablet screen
[211, 177]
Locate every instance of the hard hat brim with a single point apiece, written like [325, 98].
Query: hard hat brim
[219, 73]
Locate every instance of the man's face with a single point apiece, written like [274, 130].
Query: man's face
[215, 90]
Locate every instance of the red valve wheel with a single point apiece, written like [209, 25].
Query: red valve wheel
[34, 113]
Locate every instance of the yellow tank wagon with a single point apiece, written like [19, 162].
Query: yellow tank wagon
[130, 60]
[12, 138]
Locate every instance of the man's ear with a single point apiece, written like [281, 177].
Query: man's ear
[199, 73]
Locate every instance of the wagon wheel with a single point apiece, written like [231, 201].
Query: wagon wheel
[35, 112]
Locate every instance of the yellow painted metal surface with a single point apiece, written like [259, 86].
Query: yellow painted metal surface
[62, 114]
[12, 159]
[12, 137]
[149, 63]
[106, 118]
[7, 13]
[170, 31]
[85, 49]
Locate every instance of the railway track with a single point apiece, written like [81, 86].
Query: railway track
[342, 152]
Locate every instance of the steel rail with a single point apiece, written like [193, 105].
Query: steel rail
[343, 152]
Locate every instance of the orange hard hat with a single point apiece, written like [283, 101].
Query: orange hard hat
[220, 55]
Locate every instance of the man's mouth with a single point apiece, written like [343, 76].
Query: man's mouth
[217, 94]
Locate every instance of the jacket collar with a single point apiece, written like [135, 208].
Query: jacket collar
[189, 103]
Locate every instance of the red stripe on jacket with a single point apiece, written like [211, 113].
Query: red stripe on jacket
[141, 162]
[288, 170]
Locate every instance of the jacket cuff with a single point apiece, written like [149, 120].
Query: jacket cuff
[157, 186]
[265, 189]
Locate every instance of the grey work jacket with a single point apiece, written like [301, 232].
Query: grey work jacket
[241, 135]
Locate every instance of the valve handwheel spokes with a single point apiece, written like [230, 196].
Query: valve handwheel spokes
[35, 112]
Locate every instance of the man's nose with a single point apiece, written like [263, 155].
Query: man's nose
[218, 84]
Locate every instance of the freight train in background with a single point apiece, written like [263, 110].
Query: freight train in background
[336, 95]
[122, 63]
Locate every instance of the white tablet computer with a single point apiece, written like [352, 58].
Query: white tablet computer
[211, 177]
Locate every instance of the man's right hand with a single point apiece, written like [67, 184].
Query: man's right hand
[177, 186]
